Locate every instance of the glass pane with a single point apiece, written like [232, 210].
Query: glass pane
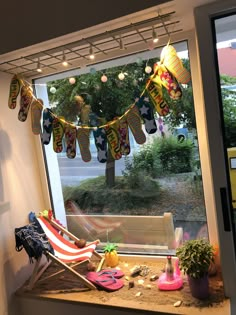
[151, 198]
[225, 30]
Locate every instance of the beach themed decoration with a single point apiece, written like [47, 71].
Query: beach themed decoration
[171, 279]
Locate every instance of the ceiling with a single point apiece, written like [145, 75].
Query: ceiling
[135, 30]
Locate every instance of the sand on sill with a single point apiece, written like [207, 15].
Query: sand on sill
[66, 287]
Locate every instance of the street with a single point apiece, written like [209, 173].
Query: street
[73, 171]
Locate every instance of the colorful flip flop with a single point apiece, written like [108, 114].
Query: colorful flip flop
[15, 87]
[36, 113]
[124, 137]
[167, 80]
[70, 139]
[155, 94]
[48, 118]
[106, 282]
[113, 138]
[134, 122]
[146, 112]
[58, 133]
[174, 64]
[84, 143]
[101, 144]
[26, 98]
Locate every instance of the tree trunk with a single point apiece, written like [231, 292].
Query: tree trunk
[110, 170]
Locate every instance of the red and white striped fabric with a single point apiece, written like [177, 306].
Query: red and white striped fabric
[64, 249]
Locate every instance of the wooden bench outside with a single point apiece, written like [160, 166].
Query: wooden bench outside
[156, 231]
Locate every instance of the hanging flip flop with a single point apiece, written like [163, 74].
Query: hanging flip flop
[70, 139]
[146, 112]
[83, 134]
[124, 137]
[113, 138]
[48, 118]
[36, 113]
[134, 122]
[101, 144]
[167, 80]
[174, 64]
[26, 98]
[155, 94]
[15, 87]
[58, 125]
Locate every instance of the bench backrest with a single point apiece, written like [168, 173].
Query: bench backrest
[152, 230]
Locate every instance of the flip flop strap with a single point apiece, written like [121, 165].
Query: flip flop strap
[109, 278]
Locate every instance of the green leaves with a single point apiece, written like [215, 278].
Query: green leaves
[195, 257]
[110, 247]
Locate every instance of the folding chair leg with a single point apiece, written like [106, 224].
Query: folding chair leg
[37, 273]
[83, 279]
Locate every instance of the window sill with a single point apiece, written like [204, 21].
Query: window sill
[150, 300]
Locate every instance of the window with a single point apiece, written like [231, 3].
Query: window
[147, 201]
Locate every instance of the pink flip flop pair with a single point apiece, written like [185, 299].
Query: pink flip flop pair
[107, 279]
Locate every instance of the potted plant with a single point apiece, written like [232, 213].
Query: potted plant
[195, 257]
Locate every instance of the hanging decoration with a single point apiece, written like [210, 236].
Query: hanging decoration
[169, 73]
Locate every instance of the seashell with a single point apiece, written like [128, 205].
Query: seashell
[138, 294]
[178, 303]
[135, 271]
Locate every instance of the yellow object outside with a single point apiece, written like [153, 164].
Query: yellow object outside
[232, 172]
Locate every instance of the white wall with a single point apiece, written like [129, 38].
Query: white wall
[20, 192]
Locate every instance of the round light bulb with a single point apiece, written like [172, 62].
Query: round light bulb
[148, 69]
[72, 80]
[104, 78]
[53, 90]
[121, 76]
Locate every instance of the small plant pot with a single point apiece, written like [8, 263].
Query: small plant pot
[199, 287]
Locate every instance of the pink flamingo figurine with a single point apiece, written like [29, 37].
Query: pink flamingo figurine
[170, 279]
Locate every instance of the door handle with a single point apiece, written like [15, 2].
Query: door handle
[225, 209]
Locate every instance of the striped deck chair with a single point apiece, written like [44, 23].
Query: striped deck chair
[66, 253]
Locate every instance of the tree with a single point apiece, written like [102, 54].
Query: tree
[107, 100]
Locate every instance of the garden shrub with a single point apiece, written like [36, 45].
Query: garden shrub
[163, 156]
[92, 195]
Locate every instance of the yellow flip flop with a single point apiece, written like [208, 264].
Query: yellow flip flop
[135, 124]
[174, 64]
[84, 143]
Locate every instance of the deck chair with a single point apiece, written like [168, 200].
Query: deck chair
[66, 254]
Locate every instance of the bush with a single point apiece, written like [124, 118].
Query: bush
[163, 156]
[175, 157]
[93, 196]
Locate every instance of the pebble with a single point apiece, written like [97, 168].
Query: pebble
[148, 286]
[177, 304]
[154, 277]
[131, 284]
[141, 281]
[127, 278]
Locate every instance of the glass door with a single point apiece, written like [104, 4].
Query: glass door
[224, 33]
[216, 32]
